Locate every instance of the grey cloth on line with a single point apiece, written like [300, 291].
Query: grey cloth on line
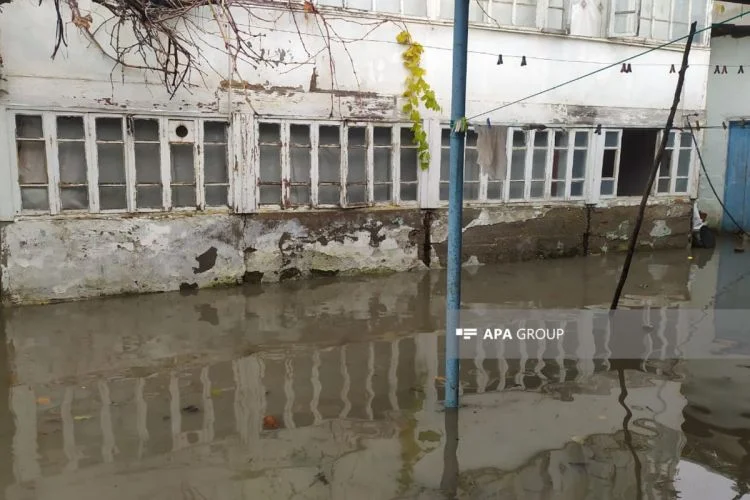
[492, 150]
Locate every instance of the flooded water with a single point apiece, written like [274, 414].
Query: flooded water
[331, 389]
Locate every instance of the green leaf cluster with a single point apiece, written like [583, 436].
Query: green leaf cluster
[416, 91]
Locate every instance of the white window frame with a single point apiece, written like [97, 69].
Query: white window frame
[542, 15]
[343, 126]
[676, 149]
[528, 168]
[618, 153]
[49, 125]
[347, 4]
[636, 10]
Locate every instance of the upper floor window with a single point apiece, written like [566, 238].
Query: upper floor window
[398, 7]
[661, 20]
[540, 14]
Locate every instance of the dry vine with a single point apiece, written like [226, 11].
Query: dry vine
[163, 35]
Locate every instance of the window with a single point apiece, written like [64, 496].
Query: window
[610, 163]
[334, 164]
[472, 175]
[657, 19]
[398, 7]
[542, 164]
[540, 14]
[115, 164]
[674, 172]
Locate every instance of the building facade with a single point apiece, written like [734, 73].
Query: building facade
[727, 138]
[286, 153]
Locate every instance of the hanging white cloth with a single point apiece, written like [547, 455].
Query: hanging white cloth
[492, 151]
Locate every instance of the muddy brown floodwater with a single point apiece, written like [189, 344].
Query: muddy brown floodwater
[332, 388]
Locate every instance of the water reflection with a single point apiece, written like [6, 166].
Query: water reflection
[332, 390]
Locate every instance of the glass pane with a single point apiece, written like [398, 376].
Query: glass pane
[670, 140]
[148, 197]
[540, 139]
[519, 138]
[537, 189]
[471, 191]
[357, 165]
[539, 164]
[35, 198]
[216, 196]
[183, 196]
[391, 6]
[611, 139]
[445, 138]
[112, 198]
[408, 192]
[495, 190]
[329, 135]
[557, 190]
[270, 195]
[409, 164]
[329, 164]
[561, 139]
[608, 188]
[663, 186]
[70, 127]
[183, 167]
[471, 165]
[445, 164]
[359, 4]
[471, 139]
[270, 163]
[555, 19]
[516, 190]
[446, 9]
[382, 192]
[683, 163]
[357, 136]
[300, 164]
[299, 135]
[560, 164]
[29, 127]
[111, 163]
[72, 159]
[526, 14]
[215, 163]
[356, 194]
[382, 160]
[579, 164]
[269, 133]
[299, 195]
[146, 130]
[109, 129]
[328, 195]
[576, 188]
[32, 162]
[582, 139]
[407, 137]
[215, 132]
[609, 162]
[666, 164]
[686, 140]
[518, 164]
[681, 186]
[382, 136]
[74, 198]
[147, 163]
[415, 8]
[444, 188]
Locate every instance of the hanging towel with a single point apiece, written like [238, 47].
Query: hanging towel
[491, 150]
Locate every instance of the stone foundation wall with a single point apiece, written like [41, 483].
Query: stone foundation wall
[44, 260]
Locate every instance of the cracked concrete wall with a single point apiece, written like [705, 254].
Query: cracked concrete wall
[45, 260]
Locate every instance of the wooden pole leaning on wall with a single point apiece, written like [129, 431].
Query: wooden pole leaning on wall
[655, 169]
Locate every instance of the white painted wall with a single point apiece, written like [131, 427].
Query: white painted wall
[723, 105]
[368, 69]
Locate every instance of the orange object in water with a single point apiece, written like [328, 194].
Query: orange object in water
[270, 422]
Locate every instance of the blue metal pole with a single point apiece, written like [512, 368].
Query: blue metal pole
[456, 200]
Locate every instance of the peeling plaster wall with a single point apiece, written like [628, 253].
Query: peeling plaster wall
[49, 260]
